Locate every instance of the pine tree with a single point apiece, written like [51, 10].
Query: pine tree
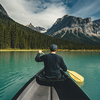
[7, 41]
[13, 36]
[1, 36]
[17, 40]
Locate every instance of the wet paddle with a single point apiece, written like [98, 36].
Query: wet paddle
[77, 77]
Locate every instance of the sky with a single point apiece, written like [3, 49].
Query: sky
[44, 13]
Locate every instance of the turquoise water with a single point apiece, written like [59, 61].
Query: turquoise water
[16, 68]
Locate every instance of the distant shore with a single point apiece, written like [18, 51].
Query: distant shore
[23, 49]
[43, 50]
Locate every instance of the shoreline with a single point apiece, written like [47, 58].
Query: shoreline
[1, 50]
[22, 49]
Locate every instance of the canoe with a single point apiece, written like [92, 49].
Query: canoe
[39, 88]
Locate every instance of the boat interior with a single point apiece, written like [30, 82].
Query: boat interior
[37, 89]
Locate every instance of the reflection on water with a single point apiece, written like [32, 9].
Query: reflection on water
[16, 68]
[80, 84]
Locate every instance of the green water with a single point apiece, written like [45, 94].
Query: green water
[16, 68]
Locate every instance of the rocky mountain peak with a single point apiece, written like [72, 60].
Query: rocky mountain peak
[70, 20]
[97, 22]
[38, 29]
[30, 25]
[87, 20]
[74, 24]
[2, 11]
[76, 29]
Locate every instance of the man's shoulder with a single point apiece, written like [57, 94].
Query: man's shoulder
[54, 55]
[58, 56]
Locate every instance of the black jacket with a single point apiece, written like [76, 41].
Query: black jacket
[52, 65]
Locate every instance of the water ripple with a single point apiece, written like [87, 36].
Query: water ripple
[16, 68]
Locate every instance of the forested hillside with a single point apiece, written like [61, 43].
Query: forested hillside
[14, 35]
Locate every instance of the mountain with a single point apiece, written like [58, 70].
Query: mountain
[38, 29]
[17, 36]
[97, 22]
[2, 11]
[76, 29]
[14, 35]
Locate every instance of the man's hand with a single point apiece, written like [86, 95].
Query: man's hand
[40, 51]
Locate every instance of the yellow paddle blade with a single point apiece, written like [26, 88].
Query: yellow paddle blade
[76, 76]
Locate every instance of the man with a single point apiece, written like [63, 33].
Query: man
[52, 63]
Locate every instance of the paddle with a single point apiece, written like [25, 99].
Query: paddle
[74, 75]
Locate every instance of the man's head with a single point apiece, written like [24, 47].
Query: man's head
[53, 48]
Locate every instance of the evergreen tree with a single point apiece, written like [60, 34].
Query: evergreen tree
[7, 40]
[1, 36]
[14, 35]
[16, 40]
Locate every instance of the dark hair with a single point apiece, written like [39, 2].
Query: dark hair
[53, 50]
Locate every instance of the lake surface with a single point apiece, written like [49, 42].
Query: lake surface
[16, 68]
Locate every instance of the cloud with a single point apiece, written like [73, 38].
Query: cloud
[50, 15]
[94, 18]
[37, 12]
[86, 8]
[45, 12]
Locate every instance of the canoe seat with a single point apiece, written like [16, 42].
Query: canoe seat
[40, 79]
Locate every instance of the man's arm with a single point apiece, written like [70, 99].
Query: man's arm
[63, 66]
[38, 58]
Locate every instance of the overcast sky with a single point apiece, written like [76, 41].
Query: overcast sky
[44, 13]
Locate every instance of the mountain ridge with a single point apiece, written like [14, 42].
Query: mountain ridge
[17, 36]
[3, 11]
[78, 27]
[97, 21]
[37, 28]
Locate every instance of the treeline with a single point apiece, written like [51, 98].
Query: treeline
[16, 36]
